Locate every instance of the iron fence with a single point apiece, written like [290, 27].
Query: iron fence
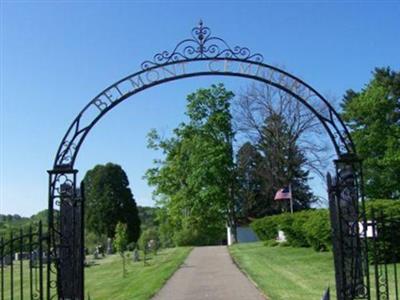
[24, 264]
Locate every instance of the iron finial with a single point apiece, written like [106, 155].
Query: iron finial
[201, 34]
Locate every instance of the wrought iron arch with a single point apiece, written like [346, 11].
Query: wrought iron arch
[202, 47]
[200, 55]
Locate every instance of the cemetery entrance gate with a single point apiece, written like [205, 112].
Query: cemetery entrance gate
[203, 54]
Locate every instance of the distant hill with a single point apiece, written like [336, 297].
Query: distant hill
[8, 223]
[148, 216]
[15, 222]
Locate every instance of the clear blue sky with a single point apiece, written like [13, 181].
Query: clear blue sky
[55, 56]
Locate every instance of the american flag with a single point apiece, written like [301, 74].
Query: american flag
[284, 194]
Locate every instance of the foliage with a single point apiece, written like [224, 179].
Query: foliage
[302, 229]
[92, 240]
[150, 234]
[384, 207]
[312, 228]
[275, 161]
[121, 238]
[15, 223]
[266, 228]
[121, 243]
[251, 201]
[318, 230]
[109, 200]
[194, 182]
[148, 216]
[293, 227]
[373, 114]
[165, 228]
[283, 146]
[387, 214]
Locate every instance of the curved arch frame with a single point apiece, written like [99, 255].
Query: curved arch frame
[258, 71]
[200, 55]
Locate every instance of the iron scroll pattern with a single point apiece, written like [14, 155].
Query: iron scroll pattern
[349, 230]
[202, 45]
[63, 226]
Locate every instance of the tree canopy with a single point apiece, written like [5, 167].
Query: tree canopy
[373, 115]
[263, 168]
[194, 182]
[109, 200]
[282, 145]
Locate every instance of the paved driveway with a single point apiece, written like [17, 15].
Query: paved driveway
[209, 273]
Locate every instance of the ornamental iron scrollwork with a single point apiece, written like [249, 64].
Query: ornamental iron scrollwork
[184, 62]
[350, 257]
[202, 45]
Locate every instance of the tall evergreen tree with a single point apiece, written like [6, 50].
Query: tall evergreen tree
[109, 200]
[274, 162]
[283, 164]
[250, 200]
[373, 114]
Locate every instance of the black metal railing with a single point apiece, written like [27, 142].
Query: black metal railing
[24, 261]
[383, 232]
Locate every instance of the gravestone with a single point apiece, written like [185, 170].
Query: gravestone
[281, 236]
[109, 246]
[7, 260]
[135, 255]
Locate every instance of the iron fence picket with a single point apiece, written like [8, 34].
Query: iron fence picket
[2, 245]
[21, 269]
[11, 265]
[22, 258]
[30, 262]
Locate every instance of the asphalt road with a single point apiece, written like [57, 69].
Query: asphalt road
[209, 273]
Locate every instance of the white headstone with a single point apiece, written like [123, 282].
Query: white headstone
[281, 236]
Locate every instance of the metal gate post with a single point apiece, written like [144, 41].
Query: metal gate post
[346, 221]
[66, 233]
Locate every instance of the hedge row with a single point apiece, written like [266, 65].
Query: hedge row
[311, 228]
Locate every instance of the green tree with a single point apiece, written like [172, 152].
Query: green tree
[373, 115]
[273, 162]
[109, 200]
[283, 164]
[121, 243]
[250, 199]
[194, 183]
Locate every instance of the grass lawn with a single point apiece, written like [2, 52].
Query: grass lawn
[104, 281]
[285, 273]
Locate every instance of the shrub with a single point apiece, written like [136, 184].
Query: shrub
[311, 228]
[318, 230]
[187, 237]
[293, 227]
[265, 228]
[387, 243]
[302, 229]
[383, 207]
